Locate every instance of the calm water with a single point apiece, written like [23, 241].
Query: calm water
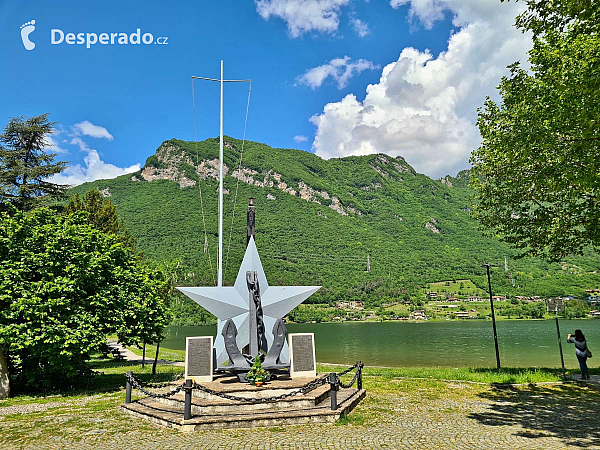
[453, 344]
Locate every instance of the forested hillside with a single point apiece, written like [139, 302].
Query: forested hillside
[320, 221]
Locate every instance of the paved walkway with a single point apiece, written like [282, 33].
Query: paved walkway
[130, 356]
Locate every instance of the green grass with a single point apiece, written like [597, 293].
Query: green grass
[111, 378]
[166, 354]
[508, 375]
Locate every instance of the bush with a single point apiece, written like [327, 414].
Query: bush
[65, 286]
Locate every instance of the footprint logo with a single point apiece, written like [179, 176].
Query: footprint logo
[26, 30]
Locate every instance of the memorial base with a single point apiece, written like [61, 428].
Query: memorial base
[213, 412]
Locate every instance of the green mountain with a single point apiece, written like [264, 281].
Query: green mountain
[324, 222]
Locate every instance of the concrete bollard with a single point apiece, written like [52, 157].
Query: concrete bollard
[359, 377]
[333, 390]
[128, 387]
[187, 409]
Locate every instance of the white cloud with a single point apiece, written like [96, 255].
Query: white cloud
[424, 108]
[361, 28]
[53, 147]
[93, 169]
[89, 129]
[339, 69]
[300, 138]
[302, 16]
[428, 11]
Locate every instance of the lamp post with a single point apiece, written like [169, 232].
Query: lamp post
[556, 305]
[487, 266]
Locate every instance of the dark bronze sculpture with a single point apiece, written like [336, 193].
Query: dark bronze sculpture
[239, 363]
[257, 324]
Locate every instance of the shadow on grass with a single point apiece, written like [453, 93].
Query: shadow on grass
[108, 376]
[515, 375]
[566, 411]
[488, 375]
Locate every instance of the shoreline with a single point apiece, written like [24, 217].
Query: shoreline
[498, 319]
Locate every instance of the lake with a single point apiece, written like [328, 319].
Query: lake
[530, 343]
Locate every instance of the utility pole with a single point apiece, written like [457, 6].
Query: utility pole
[487, 266]
[250, 217]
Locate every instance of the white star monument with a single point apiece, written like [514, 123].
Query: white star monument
[234, 303]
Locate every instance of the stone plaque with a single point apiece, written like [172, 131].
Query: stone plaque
[555, 305]
[302, 355]
[199, 358]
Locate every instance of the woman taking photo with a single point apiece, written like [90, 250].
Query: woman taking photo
[581, 351]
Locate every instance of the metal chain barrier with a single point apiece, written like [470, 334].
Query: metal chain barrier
[165, 384]
[348, 370]
[303, 390]
[136, 383]
[140, 385]
[349, 385]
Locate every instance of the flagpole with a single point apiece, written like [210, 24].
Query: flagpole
[220, 258]
[220, 253]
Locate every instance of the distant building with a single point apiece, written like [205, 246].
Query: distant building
[475, 299]
[432, 295]
[462, 314]
[418, 315]
[452, 299]
[350, 305]
[595, 313]
[499, 298]
[592, 291]
[535, 298]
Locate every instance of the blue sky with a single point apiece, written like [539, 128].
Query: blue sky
[336, 77]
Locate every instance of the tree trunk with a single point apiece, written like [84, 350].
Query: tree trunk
[155, 358]
[144, 355]
[4, 381]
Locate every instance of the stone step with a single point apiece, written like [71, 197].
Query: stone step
[172, 415]
[219, 405]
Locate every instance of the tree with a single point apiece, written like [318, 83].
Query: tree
[537, 171]
[65, 286]
[25, 165]
[102, 214]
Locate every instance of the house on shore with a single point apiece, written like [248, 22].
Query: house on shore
[418, 315]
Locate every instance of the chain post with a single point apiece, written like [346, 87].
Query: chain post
[359, 366]
[333, 390]
[187, 410]
[128, 387]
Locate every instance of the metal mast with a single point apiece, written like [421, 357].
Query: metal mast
[220, 255]
[220, 258]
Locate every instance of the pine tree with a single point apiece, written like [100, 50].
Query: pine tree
[25, 166]
[102, 214]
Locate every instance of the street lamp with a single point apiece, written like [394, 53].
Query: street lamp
[487, 266]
